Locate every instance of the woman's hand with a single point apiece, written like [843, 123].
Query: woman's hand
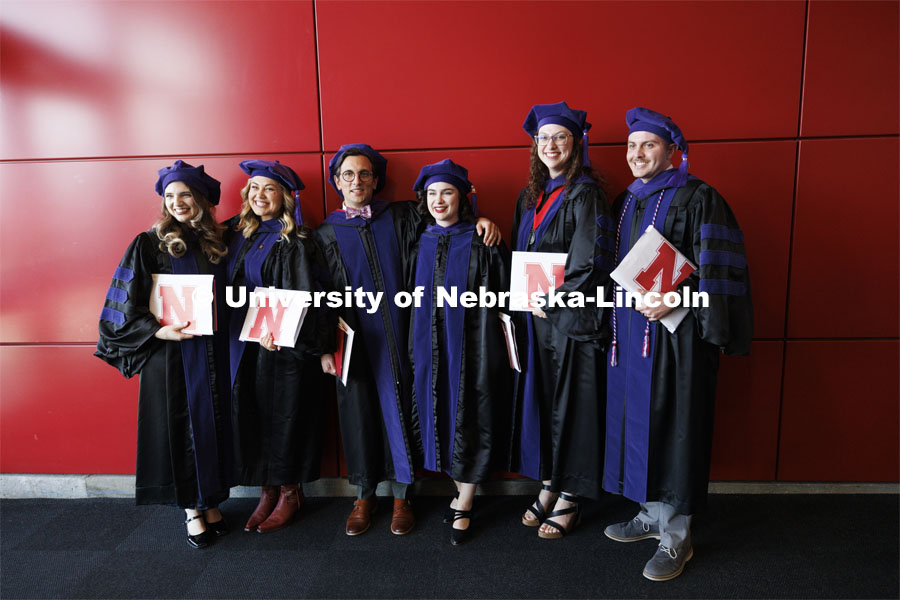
[328, 365]
[172, 333]
[538, 312]
[268, 342]
[654, 313]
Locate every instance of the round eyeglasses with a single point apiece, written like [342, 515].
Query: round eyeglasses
[559, 139]
[349, 175]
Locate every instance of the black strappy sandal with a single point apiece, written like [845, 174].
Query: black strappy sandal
[560, 530]
[538, 510]
[458, 536]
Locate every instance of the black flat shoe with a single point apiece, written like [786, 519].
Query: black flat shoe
[449, 511]
[458, 536]
[200, 540]
[218, 528]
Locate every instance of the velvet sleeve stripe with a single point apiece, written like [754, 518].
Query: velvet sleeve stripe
[605, 242]
[722, 232]
[606, 223]
[124, 274]
[724, 287]
[723, 258]
[605, 262]
[117, 294]
[112, 315]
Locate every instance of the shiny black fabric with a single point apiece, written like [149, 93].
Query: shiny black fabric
[165, 471]
[685, 363]
[277, 403]
[368, 457]
[484, 407]
[568, 348]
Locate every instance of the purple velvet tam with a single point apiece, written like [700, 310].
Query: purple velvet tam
[446, 171]
[283, 174]
[194, 177]
[644, 119]
[556, 114]
[379, 165]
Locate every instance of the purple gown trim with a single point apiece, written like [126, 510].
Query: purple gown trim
[438, 444]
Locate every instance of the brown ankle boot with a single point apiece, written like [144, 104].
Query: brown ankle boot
[289, 502]
[267, 500]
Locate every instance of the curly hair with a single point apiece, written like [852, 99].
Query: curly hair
[202, 224]
[249, 222]
[540, 174]
[465, 207]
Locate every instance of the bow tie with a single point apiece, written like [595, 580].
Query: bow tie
[365, 212]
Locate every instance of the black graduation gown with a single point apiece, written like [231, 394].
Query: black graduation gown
[184, 431]
[660, 407]
[374, 407]
[559, 410]
[463, 381]
[277, 404]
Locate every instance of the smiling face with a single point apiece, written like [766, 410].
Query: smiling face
[180, 202]
[553, 154]
[443, 203]
[648, 155]
[357, 193]
[266, 197]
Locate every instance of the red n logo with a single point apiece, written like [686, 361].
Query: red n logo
[659, 275]
[180, 307]
[536, 278]
[269, 316]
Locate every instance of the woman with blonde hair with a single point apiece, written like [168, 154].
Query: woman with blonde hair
[277, 400]
[184, 432]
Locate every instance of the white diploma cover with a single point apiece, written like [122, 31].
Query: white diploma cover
[280, 312]
[184, 298]
[534, 272]
[344, 348]
[655, 265]
[509, 334]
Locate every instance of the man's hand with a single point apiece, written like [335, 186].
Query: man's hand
[172, 333]
[328, 365]
[654, 313]
[490, 231]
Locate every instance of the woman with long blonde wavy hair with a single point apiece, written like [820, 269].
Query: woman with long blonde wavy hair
[184, 433]
[277, 403]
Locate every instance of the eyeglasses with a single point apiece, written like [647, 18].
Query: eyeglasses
[349, 175]
[559, 139]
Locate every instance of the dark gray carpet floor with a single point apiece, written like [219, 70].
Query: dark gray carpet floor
[745, 546]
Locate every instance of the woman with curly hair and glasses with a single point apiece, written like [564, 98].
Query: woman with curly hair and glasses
[276, 391]
[184, 431]
[560, 408]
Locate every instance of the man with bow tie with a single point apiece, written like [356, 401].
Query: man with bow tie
[367, 244]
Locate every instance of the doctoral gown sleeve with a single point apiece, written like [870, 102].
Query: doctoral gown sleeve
[126, 325]
[589, 262]
[719, 247]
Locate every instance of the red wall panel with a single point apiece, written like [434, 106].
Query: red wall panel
[60, 246]
[64, 411]
[157, 78]
[846, 243]
[841, 411]
[401, 75]
[748, 398]
[852, 78]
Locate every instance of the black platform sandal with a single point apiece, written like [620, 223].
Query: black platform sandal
[560, 530]
[538, 510]
[458, 536]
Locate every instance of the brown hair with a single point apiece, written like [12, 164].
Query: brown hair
[202, 223]
[540, 174]
[465, 207]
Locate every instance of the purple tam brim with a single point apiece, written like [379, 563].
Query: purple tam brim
[193, 177]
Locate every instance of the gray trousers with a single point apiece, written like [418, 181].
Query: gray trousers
[398, 489]
[674, 529]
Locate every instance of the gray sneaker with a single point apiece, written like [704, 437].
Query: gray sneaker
[632, 531]
[668, 563]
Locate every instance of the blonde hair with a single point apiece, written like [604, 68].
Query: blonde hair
[249, 222]
[203, 224]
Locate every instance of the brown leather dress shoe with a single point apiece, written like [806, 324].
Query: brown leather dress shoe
[361, 517]
[267, 501]
[403, 520]
[289, 502]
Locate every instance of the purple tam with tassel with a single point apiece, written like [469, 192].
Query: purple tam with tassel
[379, 165]
[194, 177]
[447, 171]
[559, 114]
[644, 119]
[283, 174]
